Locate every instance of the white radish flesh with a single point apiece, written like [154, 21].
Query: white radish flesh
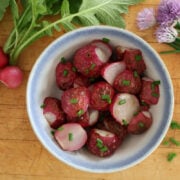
[124, 107]
[93, 116]
[71, 136]
[110, 71]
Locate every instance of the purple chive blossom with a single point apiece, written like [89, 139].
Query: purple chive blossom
[166, 34]
[146, 18]
[168, 11]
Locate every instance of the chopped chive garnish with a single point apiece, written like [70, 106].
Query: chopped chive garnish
[74, 101]
[52, 132]
[171, 156]
[99, 143]
[106, 40]
[135, 74]
[138, 57]
[122, 101]
[92, 66]
[104, 149]
[80, 112]
[70, 136]
[65, 73]
[136, 113]
[126, 82]
[174, 141]
[155, 94]
[154, 84]
[106, 97]
[74, 69]
[124, 122]
[174, 125]
[42, 106]
[165, 142]
[60, 128]
[63, 60]
[144, 103]
[141, 124]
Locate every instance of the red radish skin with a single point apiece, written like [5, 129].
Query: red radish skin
[123, 107]
[119, 52]
[102, 143]
[11, 76]
[3, 58]
[75, 101]
[88, 60]
[65, 75]
[111, 70]
[53, 112]
[71, 136]
[140, 123]
[81, 80]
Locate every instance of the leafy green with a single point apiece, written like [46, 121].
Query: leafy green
[3, 5]
[31, 23]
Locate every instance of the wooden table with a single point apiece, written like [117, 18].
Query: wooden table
[23, 157]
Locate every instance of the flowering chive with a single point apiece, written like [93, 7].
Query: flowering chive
[65, 73]
[123, 101]
[174, 141]
[174, 125]
[106, 97]
[171, 156]
[74, 101]
[70, 136]
[126, 82]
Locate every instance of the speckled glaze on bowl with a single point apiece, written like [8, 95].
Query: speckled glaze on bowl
[42, 83]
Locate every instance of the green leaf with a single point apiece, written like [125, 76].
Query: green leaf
[3, 5]
[65, 8]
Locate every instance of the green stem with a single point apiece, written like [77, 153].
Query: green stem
[170, 52]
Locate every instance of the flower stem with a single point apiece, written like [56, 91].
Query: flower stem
[170, 52]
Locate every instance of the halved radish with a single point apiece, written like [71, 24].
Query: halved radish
[105, 47]
[123, 107]
[93, 116]
[102, 143]
[71, 136]
[111, 70]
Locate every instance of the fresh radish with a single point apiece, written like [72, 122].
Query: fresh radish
[140, 123]
[111, 70]
[102, 143]
[53, 112]
[105, 47]
[11, 76]
[71, 136]
[89, 59]
[123, 107]
[119, 52]
[3, 58]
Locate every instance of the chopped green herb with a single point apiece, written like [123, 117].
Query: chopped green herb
[122, 101]
[92, 66]
[70, 136]
[155, 94]
[136, 113]
[124, 122]
[52, 132]
[154, 84]
[63, 60]
[106, 97]
[106, 40]
[144, 103]
[165, 142]
[99, 143]
[42, 106]
[65, 73]
[74, 69]
[135, 74]
[138, 57]
[174, 125]
[104, 149]
[126, 82]
[60, 128]
[92, 79]
[74, 101]
[87, 71]
[80, 112]
[171, 156]
[141, 124]
[174, 141]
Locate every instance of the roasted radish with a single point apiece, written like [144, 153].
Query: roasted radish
[123, 107]
[71, 136]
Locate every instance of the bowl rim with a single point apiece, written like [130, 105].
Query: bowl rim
[99, 28]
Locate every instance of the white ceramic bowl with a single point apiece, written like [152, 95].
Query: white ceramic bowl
[42, 83]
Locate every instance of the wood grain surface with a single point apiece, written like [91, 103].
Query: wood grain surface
[22, 157]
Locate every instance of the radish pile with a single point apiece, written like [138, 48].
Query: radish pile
[106, 96]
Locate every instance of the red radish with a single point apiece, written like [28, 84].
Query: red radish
[11, 76]
[53, 112]
[105, 47]
[140, 123]
[123, 107]
[119, 52]
[128, 82]
[71, 136]
[81, 80]
[150, 91]
[111, 70]
[75, 101]
[89, 59]
[65, 75]
[102, 143]
[101, 95]
[89, 118]
[3, 58]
